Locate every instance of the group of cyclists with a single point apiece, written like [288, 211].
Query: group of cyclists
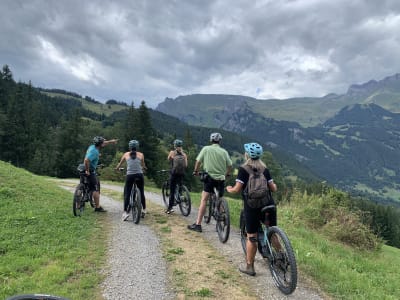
[212, 158]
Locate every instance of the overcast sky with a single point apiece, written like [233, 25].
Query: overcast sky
[148, 50]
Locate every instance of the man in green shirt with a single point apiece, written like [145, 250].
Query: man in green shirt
[217, 163]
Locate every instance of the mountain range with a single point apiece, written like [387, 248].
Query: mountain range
[349, 140]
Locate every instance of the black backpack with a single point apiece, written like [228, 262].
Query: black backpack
[257, 193]
[178, 164]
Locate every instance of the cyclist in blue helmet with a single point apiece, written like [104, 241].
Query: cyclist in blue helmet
[135, 167]
[91, 160]
[253, 153]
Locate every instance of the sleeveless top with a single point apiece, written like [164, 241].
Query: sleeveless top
[134, 166]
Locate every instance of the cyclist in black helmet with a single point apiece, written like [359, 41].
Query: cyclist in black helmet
[91, 160]
[177, 156]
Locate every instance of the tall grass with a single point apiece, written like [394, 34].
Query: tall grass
[43, 248]
[333, 247]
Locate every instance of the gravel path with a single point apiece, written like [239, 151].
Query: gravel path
[139, 272]
[232, 250]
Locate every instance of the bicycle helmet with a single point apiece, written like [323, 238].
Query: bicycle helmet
[98, 140]
[178, 143]
[215, 137]
[133, 144]
[254, 150]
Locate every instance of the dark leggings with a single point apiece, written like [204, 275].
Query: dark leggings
[174, 180]
[128, 188]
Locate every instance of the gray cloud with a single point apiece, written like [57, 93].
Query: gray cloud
[149, 50]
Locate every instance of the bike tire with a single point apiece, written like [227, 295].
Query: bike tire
[283, 264]
[136, 205]
[223, 220]
[185, 203]
[243, 232]
[91, 200]
[78, 203]
[165, 193]
[209, 204]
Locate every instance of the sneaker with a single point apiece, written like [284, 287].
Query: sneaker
[169, 211]
[99, 209]
[195, 227]
[125, 216]
[143, 213]
[248, 269]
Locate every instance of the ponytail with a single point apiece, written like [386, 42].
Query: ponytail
[133, 153]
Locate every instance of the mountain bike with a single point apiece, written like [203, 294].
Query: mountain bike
[217, 207]
[82, 193]
[181, 197]
[275, 247]
[135, 202]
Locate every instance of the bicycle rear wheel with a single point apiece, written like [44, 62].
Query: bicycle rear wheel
[282, 265]
[243, 232]
[185, 203]
[136, 205]
[78, 203]
[165, 193]
[223, 220]
[209, 205]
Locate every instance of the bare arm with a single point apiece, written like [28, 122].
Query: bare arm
[170, 155]
[237, 188]
[106, 142]
[120, 162]
[186, 160]
[87, 166]
[197, 167]
[272, 186]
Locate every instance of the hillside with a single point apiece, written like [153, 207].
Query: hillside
[213, 110]
[348, 125]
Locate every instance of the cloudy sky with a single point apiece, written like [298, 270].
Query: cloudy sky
[137, 50]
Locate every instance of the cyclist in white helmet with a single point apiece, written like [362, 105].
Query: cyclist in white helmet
[216, 162]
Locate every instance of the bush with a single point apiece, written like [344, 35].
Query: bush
[330, 214]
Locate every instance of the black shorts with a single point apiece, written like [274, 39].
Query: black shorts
[94, 182]
[210, 183]
[253, 217]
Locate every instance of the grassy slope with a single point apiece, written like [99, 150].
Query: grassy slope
[98, 108]
[43, 248]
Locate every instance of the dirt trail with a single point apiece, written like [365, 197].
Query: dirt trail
[262, 284]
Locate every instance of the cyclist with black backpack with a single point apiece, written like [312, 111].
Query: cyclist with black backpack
[178, 160]
[252, 175]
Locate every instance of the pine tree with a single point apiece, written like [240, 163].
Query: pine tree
[149, 143]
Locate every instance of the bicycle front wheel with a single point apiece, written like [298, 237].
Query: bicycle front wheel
[209, 205]
[78, 203]
[223, 220]
[185, 203]
[282, 265]
[135, 201]
[165, 193]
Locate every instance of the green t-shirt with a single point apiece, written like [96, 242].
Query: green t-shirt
[215, 161]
